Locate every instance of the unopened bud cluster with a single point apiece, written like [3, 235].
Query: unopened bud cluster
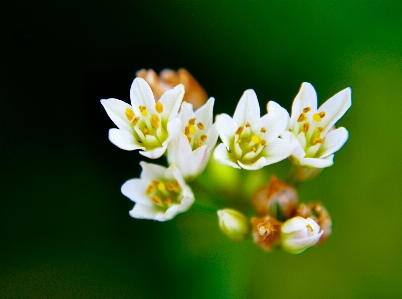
[169, 115]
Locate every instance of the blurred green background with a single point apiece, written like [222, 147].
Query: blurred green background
[64, 225]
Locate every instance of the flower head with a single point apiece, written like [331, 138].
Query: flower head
[159, 194]
[233, 224]
[312, 131]
[266, 232]
[191, 149]
[145, 125]
[299, 234]
[250, 141]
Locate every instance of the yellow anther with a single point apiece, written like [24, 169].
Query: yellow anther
[263, 130]
[155, 121]
[239, 130]
[198, 143]
[135, 121]
[176, 184]
[159, 107]
[149, 190]
[317, 140]
[253, 149]
[307, 109]
[144, 111]
[129, 113]
[161, 186]
[248, 125]
[170, 186]
[200, 126]
[316, 117]
[145, 131]
[191, 121]
[168, 201]
[322, 114]
[156, 199]
[239, 141]
[320, 129]
[255, 139]
[308, 226]
[301, 117]
[203, 137]
[155, 182]
[263, 142]
[192, 129]
[187, 130]
[306, 126]
[189, 139]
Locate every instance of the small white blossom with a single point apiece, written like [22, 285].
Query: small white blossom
[145, 125]
[250, 141]
[191, 149]
[159, 194]
[312, 130]
[299, 234]
[233, 224]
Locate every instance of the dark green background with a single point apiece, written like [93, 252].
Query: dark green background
[65, 231]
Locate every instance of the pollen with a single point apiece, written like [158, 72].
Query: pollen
[307, 109]
[239, 131]
[263, 130]
[156, 199]
[155, 121]
[129, 113]
[192, 129]
[248, 125]
[200, 126]
[203, 137]
[317, 140]
[255, 139]
[301, 117]
[161, 186]
[145, 131]
[322, 114]
[144, 111]
[263, 142]
[159, 107]
[306, 126]
[191, 121]
[316, 117]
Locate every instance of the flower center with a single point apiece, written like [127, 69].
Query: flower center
[247, 145]
[163, 193]
[195, 134]
[148, 128]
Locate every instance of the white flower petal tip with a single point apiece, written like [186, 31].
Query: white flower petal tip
[248, 137]
[145, 125]
[311, 130]
[234, 224]
[191, 149]
[160, 193]
[298, 234]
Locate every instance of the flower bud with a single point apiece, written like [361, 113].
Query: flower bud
[299, 234]
[319, 214]
[276, 199]
[233, 224]
[266, 232]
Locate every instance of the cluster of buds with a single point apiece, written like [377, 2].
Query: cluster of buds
[170, 116]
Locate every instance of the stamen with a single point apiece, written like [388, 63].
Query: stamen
[149, 190]
[144, 111]
[161, 186]
[316, 117]
[317, 140]
[189, 139]
[168, 201]
[239, 141]
[135, 121]
[203, 137]
[192, 129]
[263, 130]
[248, 125]
[155, 121]
[307, 109]
[255, 139]
[191, 121]
[239, 130]
[159, 107]
[320, 129]
[263, 142]
[170, 186]
[253, 149]
[301, 118]
[145, 131]
[187, 130]
[308, 226]
[306, 126]
[198, 143]
[129, 113]
[155, 183]
[322, 114]
[200, 126]
[156, 199]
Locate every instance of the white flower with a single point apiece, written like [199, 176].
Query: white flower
[312, 131]
[233, 224]
[251, 142]
[299, 234]
[191, 149]
[159, 194]
[145, 125]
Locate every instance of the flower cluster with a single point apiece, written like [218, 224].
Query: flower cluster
[170, 116]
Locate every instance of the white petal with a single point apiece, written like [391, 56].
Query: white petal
[204, 114]
[275, 122]
[186, 112]
[248, 108]
[317, 162]
[226, 128]
[333, 142]
[116, 110]
[173, 210]
[307, 97]
[212, 136]
[298, 151]
[135, 190]
[171, 101]
[302, 139]
[155, 153]
[277, 150]
[152, 171]
[222, 156]
[294, 224]
[173, 128]
[260, 163]
[146, 212]
[124, 140]
[312, 150]
[335, 108]
[141, 95]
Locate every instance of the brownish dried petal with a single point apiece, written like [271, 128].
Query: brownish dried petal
[266, 232]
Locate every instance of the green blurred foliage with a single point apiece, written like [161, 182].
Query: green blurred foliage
[65, 228]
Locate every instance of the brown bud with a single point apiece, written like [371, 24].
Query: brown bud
[276, 199]
[266, 232]
[167, 79]
[319, 214]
